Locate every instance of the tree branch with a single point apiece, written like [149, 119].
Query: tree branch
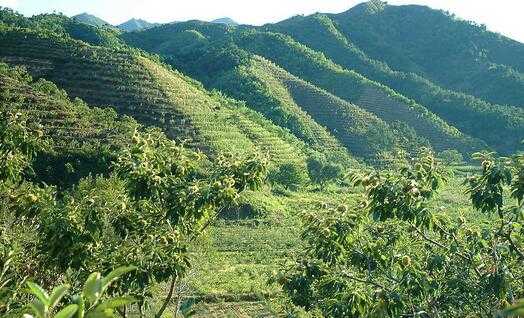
[351, 277]
[168, 298]
[428, 239]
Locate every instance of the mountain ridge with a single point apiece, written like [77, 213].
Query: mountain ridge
[133, 24]
[90, 19]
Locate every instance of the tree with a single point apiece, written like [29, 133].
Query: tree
[451, 157]
[156, 200]
[321, 171]
[145, 214]
[19, 144]
[392, 256]
[288, 175]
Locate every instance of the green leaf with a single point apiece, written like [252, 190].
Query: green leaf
[116, 303]
[39, 309]
[115, 274]
[57, 294]
[92, 288]
[516, 310]
[79, 300]
[99, 314]
[39, 292]
[67, 312]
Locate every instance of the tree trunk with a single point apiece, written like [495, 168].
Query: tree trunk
[168, 298]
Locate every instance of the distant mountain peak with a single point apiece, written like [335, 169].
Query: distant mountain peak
[136, 25]
[90, 19]
[369, 7]
[225, 20]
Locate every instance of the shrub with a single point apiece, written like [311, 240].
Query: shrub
[321, 171]
[288, 175]
[451, 157]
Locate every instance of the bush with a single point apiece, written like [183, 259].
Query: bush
[288, 175]
[149, 209]
[321, 171]
[451, 157]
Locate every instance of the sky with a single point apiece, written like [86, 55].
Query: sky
[503, 16]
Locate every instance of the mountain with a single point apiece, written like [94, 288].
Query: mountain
[227, 21]
[404, 118]
[136, 25]
[352, 90]
[90, 19]
[272, 91]
[477, 62]
[319, 51]
[139, 86]
[468, 113]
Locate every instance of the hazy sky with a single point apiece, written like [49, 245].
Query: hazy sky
[504, 16]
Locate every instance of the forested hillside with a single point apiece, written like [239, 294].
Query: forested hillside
[309, 65]
[148, 91]
[470, 114]
[361, 164]
[478, 62]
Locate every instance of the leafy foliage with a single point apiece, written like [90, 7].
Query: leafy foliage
[288, 175]
[91, 302]
[321, 171]
[18, 145]
[392, 255]
[153, 199]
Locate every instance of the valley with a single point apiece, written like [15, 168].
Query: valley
[360, 164]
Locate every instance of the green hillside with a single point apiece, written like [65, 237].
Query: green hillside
[90, 19]
[65, 121]
[64, 26]
[306, 110]
[80, 139]
[471, 115]
[351, 86]
[451, 52]
[288, 101]
[310, 66]
[149, 92]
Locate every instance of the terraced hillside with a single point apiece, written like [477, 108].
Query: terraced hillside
[453, 53]
[360, 131]
[300, 61]
[351, 86]
[468, 113]
[263, 92]
[67, 123]
[79, 138]
[150, 93]
[315, 68]
[274, 92]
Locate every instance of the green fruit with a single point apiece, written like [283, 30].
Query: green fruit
[406, 261]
